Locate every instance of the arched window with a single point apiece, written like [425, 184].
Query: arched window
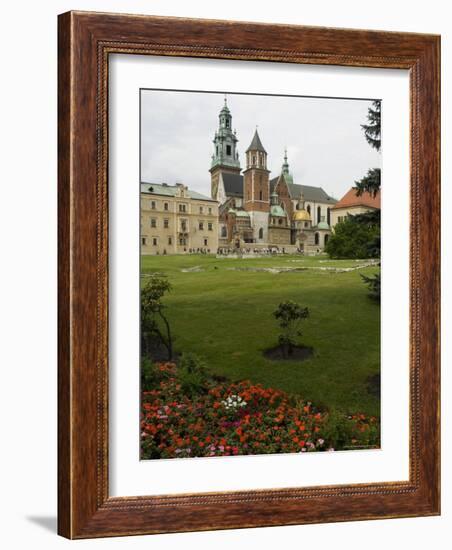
[308, 208]
[260, 195]
[224, 232]
[319, 213]
[316, 238]
[328, 218]
[261, 233]
[326, 239]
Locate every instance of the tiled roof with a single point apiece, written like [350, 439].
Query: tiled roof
[351, 199]
[256, 144]
[170, 191]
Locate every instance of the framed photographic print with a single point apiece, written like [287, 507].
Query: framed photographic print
[248, 274]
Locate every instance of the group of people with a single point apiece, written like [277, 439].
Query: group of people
[241, 251]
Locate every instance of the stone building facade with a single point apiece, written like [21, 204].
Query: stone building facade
[177, 220]
[262, 212]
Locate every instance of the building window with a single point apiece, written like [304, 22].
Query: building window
[260, 195]
[205, 242]
[153, 222]
[210, 210]
[308, 208]
[280, 221]
[316, 238]
[183, 225]
[154, 241]
[166, 223]
[306, 224]
[170, 240]
[254, 160]
[328, 216]
[143, 241]
[201, 225]
[224, 232]
[326, 239]
[182, 208]
[153, 205]
[261, 233]
[227, 123]
[210, 226]
[200, 209]
[228, 150]
[165, 206]
[182, 242]
[319, 213]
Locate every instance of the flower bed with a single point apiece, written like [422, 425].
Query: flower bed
[225, 419]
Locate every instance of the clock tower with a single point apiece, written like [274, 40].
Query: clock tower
[225, 157]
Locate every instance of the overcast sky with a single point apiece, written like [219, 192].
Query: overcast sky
[325, 143]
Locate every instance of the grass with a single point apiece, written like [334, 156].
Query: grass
[225, 316]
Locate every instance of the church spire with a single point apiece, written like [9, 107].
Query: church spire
[225, 141]
[285, 168]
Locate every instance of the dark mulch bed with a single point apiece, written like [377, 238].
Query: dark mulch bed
[374, 385]
[279, 353]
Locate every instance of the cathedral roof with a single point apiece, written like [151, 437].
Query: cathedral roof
[256, 144]
[233, 184]
[311, 194]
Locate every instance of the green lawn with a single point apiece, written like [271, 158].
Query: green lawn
[225, 316]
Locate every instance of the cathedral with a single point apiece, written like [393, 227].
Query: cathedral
[258, 211]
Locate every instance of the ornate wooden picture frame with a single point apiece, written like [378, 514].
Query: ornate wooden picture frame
[86, 41]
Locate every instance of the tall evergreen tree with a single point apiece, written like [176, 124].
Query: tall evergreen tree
[372, 130]
[371, 182]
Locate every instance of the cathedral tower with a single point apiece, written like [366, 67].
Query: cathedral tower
[225, 157]
[256, 188]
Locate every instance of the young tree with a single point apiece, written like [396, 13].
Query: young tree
[154, 322]
[289, 316]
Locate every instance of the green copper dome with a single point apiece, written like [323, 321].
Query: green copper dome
[278, 211]
[323, 225]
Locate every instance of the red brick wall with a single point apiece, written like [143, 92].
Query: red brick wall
[252, 201]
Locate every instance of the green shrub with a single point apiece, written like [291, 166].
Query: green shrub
[192, 374]
[151, 375]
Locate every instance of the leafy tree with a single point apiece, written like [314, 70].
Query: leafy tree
[154, 322]
[354, 238]
[289, 316]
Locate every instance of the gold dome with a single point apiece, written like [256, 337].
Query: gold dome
[301, 216]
